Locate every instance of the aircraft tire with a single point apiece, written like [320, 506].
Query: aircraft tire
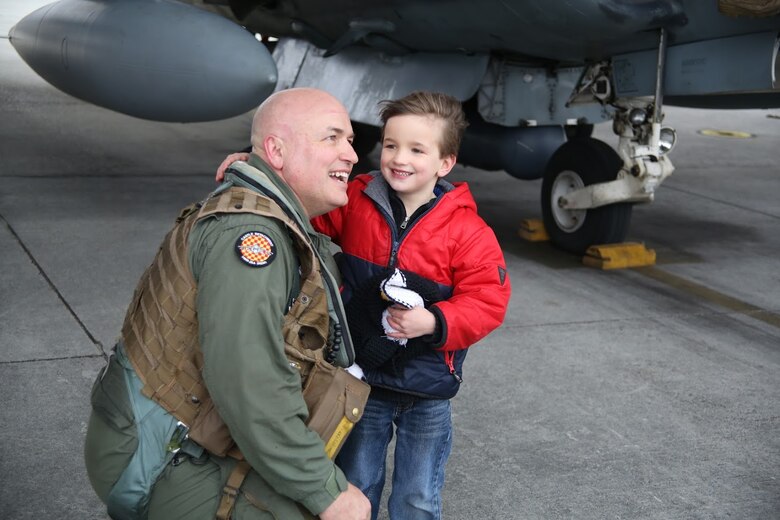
[579, 163]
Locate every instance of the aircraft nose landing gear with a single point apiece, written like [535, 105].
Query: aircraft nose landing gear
[575, 165]
[589, 189]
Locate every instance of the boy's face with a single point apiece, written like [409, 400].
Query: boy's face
[411, 161]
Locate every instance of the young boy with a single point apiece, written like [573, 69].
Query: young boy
[406, 217]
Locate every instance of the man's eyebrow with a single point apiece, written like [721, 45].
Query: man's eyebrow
[340, 131]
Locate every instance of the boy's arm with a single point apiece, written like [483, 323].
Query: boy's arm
[481, 291]
[230, 159]
[330, 224]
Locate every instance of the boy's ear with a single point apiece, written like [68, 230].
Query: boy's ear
[274, 151]
[447, 163]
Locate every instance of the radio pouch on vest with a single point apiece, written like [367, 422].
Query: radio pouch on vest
[334, 397]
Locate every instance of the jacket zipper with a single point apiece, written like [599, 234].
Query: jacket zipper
[449, 357]
[397, 239]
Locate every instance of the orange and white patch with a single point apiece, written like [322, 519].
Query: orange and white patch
[255, 249]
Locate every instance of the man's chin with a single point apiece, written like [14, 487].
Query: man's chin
[341, 201]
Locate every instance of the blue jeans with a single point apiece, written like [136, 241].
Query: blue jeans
[424, 429]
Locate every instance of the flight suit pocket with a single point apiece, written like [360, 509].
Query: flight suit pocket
[109, 398]
[112, 436]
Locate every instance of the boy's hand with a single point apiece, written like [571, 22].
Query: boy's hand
[230, 159]
[410, 323]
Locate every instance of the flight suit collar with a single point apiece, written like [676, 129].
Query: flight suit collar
[292, 200]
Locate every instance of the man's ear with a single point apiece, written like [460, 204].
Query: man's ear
[273, 147]
[447, 163]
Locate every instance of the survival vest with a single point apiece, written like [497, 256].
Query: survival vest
[160, 338]
[160, 331]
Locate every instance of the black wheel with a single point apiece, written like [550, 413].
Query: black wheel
[576, 164]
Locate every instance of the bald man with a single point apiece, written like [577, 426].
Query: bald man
[204, 340]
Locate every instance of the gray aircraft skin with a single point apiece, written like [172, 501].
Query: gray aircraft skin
[534, 76]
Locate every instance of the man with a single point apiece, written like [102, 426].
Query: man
[222, 364]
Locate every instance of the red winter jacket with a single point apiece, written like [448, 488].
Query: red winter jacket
[450, 245]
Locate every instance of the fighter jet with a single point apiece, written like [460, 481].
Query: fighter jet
[534, 76]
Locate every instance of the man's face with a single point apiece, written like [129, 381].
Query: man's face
[319, 157]
[411, 162]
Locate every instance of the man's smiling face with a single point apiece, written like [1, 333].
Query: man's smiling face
[318, 157]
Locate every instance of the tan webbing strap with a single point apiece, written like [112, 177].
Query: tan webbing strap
[231, 489]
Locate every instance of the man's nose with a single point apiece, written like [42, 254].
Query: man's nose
[349, 154]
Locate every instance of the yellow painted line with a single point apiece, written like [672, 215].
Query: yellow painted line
[726, 133]
[711, 295]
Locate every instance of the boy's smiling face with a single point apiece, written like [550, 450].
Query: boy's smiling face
[411, 161]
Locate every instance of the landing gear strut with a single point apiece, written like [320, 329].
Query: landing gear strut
[589, 189]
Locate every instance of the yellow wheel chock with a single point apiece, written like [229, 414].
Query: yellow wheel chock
[619, 256]
[532, 229]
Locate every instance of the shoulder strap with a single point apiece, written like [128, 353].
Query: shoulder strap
[244, 200]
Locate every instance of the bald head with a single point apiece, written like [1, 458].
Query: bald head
[284, 113]
[305, 135]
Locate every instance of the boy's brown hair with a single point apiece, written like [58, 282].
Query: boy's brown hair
[435, 104]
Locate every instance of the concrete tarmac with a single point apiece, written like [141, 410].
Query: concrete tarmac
[648, 393]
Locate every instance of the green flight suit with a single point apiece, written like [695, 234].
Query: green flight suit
[258, 394]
